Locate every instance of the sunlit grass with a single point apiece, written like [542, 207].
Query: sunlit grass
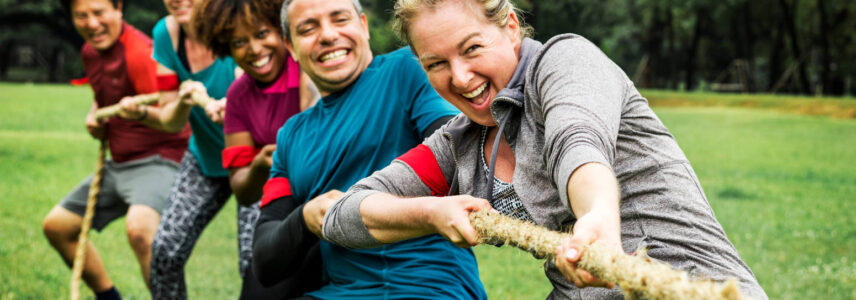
[782, 186]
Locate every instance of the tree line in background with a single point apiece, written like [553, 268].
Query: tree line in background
[778, 46]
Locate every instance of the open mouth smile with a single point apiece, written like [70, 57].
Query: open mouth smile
[477, 96]
[261, 62]
[333, 56]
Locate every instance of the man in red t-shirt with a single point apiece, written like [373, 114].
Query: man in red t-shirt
[135, 182]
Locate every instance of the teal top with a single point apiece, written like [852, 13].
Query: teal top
[347, 136]
[206, 143]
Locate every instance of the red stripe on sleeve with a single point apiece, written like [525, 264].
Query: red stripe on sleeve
[425, 164]
[80, 81]
[168, 82]
[275, 188]
[238, 156]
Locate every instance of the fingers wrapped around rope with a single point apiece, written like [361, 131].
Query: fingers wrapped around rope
[113, 110]
[637, 275]
[200, 98]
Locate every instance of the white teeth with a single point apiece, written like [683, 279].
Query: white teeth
[261, 62]
[334, 55]
[476, 92]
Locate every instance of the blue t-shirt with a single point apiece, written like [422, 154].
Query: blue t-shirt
[206, 143]
[347, 136]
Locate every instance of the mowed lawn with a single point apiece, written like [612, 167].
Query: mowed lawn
[782, 185]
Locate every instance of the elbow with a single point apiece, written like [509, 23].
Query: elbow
[242, 193]
[264, 275]
[170, 123]
[344, 225]
[264, 271]
[264, 262]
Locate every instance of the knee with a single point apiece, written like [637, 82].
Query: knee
[58, 229]
[140, 237]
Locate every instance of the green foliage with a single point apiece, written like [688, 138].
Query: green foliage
[808, 45]
[780, 184]
[381, 37]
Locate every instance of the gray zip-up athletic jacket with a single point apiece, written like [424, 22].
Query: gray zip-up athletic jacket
[568, 104]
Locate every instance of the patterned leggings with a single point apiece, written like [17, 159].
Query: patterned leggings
[194, 200]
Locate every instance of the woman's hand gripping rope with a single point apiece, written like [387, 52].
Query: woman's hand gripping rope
[637, 275]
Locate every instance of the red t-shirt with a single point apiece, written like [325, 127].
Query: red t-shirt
[127, 69]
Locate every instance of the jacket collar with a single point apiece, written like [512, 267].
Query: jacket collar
[515, 88]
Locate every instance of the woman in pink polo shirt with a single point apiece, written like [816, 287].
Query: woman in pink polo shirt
[271, 90]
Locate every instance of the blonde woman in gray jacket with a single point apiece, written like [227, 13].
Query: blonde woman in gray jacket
[547, 134]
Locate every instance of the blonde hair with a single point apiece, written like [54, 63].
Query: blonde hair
[496, 11]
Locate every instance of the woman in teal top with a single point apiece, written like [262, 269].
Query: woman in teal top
[202, 185]
[207, 140]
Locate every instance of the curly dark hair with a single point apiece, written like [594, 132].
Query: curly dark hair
[214, 21]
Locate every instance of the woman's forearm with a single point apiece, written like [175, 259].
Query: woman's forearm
[593, 187]
[174, 114]
[247, 183]
[152, 119]
[390, 219]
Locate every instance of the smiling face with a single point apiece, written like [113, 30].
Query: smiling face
[330, 40]
[97, 21]
[259, 50]
[181, 10]
[468, 59]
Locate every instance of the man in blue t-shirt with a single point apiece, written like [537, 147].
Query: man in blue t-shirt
[373, 110]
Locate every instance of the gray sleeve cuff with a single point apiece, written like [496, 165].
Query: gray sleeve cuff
[343, 224]
[574, 158]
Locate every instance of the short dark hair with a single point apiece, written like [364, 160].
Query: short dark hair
[284, 16]
[66, 5]
[214, 21]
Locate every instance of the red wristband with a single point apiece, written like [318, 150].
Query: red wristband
[238, 156]
[275, 188]
[168, 82]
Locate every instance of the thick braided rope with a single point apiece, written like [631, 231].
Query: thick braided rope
[83, 238]
[638, 275]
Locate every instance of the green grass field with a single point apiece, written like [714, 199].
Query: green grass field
[781, 184]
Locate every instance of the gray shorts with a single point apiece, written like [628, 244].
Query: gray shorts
[144, 181]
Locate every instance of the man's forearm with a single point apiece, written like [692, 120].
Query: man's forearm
[281, 241]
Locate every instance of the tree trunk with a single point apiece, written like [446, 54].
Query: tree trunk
[775, 58]
[749, 34]
[825, 61]
[692, 51]
[671, 73]
[532, 18]
[6, 57]
[789, 21]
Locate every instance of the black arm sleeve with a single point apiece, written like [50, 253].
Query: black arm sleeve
[284, 248]
[436, 125]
